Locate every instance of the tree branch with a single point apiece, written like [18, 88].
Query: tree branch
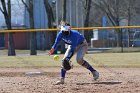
[1, 10]
[105, 8]
[3, 5]
[19, 4]
[26, 5]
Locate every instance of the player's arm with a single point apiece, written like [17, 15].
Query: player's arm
[57, 40]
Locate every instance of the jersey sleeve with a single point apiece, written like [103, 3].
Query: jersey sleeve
[57, 40]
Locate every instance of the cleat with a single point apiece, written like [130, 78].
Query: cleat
[61, 81]
[95, 75]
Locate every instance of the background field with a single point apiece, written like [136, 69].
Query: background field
[96, 59]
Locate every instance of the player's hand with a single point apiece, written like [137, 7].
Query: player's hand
[51, 51]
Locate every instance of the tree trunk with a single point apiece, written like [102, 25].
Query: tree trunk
[63, 49]
[44, 41]
[119, 37]
[129, 20]
[64, 10]
[33, 44]
[7, 15]
[11, 48]
[51, 20]
[33, 41]
[86, 22]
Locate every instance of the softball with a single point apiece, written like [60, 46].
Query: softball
[56, 58]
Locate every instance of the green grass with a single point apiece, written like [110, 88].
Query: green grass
[27, 61]
[97, 59]
[115, 59]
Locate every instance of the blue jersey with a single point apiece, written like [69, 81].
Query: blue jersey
[74, 39]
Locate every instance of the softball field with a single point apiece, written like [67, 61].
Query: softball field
[119, 73]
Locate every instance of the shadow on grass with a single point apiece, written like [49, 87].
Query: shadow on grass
[104, 83]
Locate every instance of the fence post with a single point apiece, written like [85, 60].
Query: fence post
[121, 40]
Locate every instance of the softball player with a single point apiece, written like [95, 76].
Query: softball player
[76, 43]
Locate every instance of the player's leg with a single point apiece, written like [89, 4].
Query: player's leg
[61, 81]
[65, 60]
[80, 54]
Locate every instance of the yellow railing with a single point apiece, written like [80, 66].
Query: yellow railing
[82, 28]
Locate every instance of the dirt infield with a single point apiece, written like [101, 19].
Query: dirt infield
[78, 80]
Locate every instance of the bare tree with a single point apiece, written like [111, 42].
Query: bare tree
[51, 20]
[117, 10]
[6, 10]
[87, 8]
[130, 13]
[20, 13]
[114, 12]
[33, 43]
[64, 11]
